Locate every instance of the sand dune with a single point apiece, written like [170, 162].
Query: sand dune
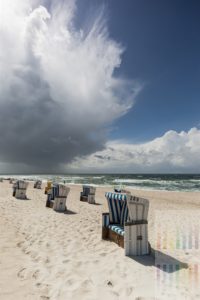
[49, 255]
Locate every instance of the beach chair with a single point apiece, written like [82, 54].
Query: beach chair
[121, 190]
[88, 194]
[57, 196]
[19, 189]
[126, 223]
[48, 187]
[37, 184]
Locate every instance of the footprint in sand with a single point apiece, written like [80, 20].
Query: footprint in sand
[36, 274]
[22, 273]
[87, 283]
[109, 283]
[19, 244]
[46, 260]
[103, 254]
[66, 261]
[47, 245]
[129, 291]
[38, 284]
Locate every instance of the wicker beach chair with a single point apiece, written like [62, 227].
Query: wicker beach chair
[48, 187]
[19, 189]
[88, 194]
[126, 223]
[57, 196]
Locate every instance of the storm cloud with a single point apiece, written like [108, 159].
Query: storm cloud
[58, 92]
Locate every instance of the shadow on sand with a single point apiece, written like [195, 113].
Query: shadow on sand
[160, 260]
[69, 212]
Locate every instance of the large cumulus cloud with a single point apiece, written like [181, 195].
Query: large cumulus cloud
[172, 152]
[58, 92]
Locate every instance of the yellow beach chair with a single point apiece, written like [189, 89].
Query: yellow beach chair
[48, 187]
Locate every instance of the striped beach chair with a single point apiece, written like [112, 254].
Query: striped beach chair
[57, 196]
[19, 189]
[37, 184]
[126, 223]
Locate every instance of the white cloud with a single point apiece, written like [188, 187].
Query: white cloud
[58, 91]
[173, 152]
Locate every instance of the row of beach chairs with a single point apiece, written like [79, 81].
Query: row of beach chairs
[126, 223]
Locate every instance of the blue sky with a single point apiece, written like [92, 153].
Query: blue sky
[162, 41]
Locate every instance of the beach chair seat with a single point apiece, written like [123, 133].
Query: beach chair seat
[117, 228]
[116, 234]
[126, 223]
[49, 202]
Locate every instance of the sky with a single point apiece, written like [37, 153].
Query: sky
[99, 86]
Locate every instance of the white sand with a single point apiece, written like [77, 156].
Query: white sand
[49, 255]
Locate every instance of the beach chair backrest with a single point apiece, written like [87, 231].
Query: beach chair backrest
[88, 190]
[48, 184]
[138, 208]
[54, 191]
[21, 184]
[116, 203]
[14, 185]
[59, 190]
[38, 183]
[63, 190]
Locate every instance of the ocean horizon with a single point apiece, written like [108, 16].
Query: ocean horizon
[168, 182]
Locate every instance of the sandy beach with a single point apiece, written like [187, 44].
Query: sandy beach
[49, 255]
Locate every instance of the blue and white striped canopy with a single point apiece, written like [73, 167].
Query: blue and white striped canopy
[118, 209]
[116, 196]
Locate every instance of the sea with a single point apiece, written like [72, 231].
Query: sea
[166, 182]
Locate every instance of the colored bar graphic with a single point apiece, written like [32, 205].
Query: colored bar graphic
[164, 240]
[158, 240]
[177, 275]
[196, 275]
[196, 238]
[190, 238]
[177, 238]
[171, 277]
[183, 240]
